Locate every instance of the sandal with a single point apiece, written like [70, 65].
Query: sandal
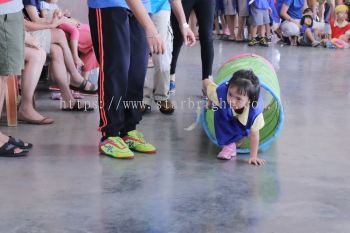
[45, 121]
[77, 107]
[8, 150]
[19, 143]
[81, 88]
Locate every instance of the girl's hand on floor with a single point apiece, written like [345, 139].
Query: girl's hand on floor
[254, 160]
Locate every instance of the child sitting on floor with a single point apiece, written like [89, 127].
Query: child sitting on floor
[238, 109]
[340, 27]
[307, 32]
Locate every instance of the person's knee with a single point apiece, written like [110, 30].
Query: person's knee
[59, 35]
[56, 52]
[290, 30]
[205, 35]
[37, 56]
[42, 56]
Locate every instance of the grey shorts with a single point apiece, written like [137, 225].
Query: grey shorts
[258, 16]
[11, 44]
[229, 9]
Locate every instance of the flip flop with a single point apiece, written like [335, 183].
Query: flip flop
[82, 86]
[19, 143]
[45, 121]
[8, 150]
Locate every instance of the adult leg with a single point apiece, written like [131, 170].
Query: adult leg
[205, 16]
[59, 73]
[162, 62]
[34, 62]
[177, 41]
[3, 87]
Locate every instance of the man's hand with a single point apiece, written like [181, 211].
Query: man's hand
[155, 43]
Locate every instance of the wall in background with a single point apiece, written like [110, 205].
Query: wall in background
[78, 8]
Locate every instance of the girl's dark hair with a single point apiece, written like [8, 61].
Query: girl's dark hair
[247, 83]
[307, 10]
[302, 21]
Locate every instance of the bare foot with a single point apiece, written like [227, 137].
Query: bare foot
[30, 113]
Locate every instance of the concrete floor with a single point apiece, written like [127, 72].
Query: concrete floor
[65, 186]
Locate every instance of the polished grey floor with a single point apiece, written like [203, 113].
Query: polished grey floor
[65, 186]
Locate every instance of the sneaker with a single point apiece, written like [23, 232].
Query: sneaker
[264, 42]
[253, 42]
[115, 147]
[172, 86]
[315, 43]
[136, 142]
[227, 152]
[165, 106]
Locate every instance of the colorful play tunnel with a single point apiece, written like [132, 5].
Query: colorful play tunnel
[270, 90]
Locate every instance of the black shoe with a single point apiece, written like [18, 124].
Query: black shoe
[264, 42]
[145, 108]
[165, 106]
[253, 42]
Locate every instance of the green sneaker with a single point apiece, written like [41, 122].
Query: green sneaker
[253, 42]
[136, 142]
[115, 147]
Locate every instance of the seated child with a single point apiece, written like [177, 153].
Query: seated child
[71, 26]
[340, 27]
[307, 32]
[237, 113]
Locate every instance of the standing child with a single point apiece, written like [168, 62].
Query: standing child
[259, 18]
[121, 38]
[238, 109]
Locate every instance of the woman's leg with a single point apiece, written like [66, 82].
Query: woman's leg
[59, 72]
[177, 41]
[34, 62]
[205, 16]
